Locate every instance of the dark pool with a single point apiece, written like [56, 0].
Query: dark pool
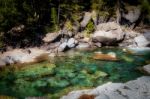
[60, 75]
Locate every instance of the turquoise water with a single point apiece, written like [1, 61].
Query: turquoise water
[60, 75]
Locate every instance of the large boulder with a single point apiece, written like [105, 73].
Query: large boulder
[129, 38]
[86, 19]
[108, 33]
[143, 40]
[132, 13]
[135, 89]
[20, 56]
[50, 37]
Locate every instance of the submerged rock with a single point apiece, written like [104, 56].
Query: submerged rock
[110, 56]
[128, 59]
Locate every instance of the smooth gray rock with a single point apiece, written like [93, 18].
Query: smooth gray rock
[135, 89]
[50, 37]
[2, 63]
[146, 69]
[147, 35]
[71, 43]
[141, 41]
[20, 56]
[133, 14]
[86, 19]
[138, 50]
[108, 33]
[8, 60]
[62, 47]
[83, 45]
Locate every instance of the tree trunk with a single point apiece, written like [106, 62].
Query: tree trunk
[118, 12]
[58, 11]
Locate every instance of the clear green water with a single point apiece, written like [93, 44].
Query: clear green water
[64, 74]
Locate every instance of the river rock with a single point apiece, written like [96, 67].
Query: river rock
[62, 47]
[108, 33]
[143, 40]
[72, 43]
[50, 37]
[20, 56]
[146, 69]
[2, 63]
[133, 13]
[83, 45]
[137, 50]
[135, 89]
[98, 44]
[86, 19]
[129, 41]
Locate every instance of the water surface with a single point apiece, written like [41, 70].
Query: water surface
[60, 75]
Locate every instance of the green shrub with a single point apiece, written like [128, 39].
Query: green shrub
[90, 27]
[69, 25]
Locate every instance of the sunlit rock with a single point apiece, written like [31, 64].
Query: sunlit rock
[20, 56]
[133, 13]
[143, 40]
[135, 89]
[72, 43]
[50, 37]
[108, 33]
[86, 19]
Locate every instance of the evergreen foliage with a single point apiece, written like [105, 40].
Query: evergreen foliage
[51, 15]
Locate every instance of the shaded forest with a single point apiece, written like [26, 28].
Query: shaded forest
[24, 22]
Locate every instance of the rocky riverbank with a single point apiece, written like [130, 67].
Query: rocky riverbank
[136, 89]
[55, 44]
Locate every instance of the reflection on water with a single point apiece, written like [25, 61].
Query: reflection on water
[63, 74]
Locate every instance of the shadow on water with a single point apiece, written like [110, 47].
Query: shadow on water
[63, 74]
